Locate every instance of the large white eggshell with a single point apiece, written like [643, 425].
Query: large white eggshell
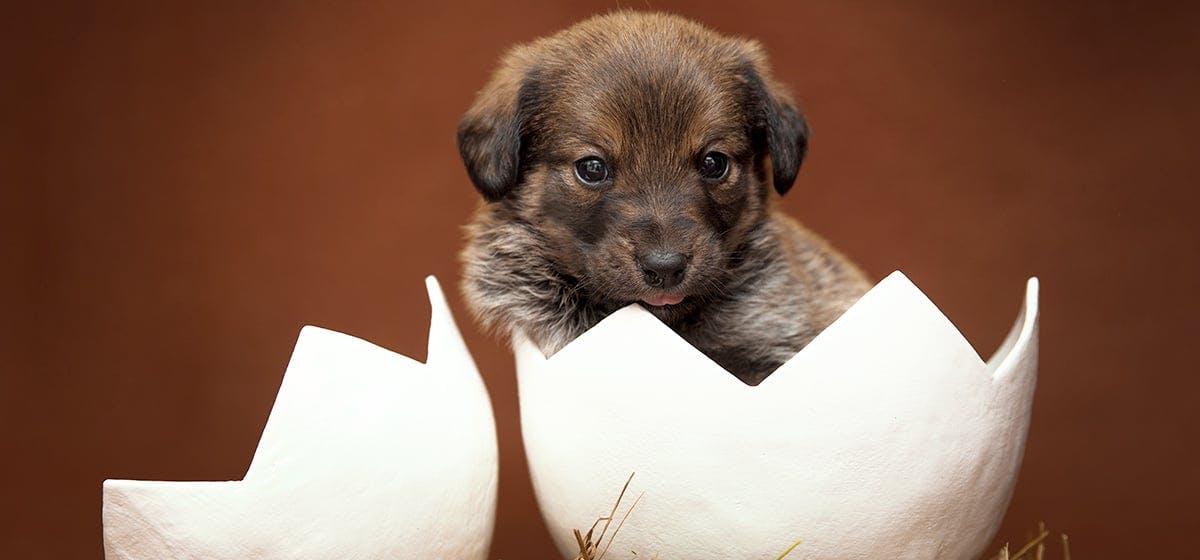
[366, 454]
[886, 437]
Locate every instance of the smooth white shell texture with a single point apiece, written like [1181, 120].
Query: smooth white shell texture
[886, 437]
[366, 454]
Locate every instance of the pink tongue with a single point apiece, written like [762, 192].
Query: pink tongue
[666, 299]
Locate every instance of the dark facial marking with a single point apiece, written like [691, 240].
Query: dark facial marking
[586, 220]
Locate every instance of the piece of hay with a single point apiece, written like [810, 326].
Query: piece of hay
[1036, 546]
[588, 545]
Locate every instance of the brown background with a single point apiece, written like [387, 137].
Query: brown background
[184, 186]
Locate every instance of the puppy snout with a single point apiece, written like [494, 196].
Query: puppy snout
[663, 269]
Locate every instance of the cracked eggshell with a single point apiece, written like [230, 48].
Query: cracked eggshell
[366, 454]
[886, 437]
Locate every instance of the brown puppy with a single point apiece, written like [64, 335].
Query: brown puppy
[629, 159]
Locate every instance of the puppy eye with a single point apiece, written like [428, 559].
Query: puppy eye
[591, 170]
[714, 166]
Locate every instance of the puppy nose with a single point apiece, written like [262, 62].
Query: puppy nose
[663, 269]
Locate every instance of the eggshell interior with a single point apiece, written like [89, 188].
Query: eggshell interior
[366, 454]
[886, 437]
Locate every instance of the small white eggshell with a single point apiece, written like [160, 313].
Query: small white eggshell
[886, 437]
[366, 454]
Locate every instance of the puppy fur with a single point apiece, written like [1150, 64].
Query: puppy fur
[650, 94]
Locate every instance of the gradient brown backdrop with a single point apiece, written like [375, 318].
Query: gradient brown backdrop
[185, 185]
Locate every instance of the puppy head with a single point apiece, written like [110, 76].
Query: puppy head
[641, 147]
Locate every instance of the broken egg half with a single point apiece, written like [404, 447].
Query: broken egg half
[366, 454]
[886, 437]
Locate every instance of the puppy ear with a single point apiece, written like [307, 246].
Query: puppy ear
[490, 134]
[784, 128]
[787, 139]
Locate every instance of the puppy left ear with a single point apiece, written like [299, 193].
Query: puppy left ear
[491, 133]
[784, 128]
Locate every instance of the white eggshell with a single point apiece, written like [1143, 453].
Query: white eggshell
[886, 437]
[366, 454]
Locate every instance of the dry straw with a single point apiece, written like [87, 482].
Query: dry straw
[1035, 549]
[588, 545]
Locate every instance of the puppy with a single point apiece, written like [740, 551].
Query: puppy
[629, 159]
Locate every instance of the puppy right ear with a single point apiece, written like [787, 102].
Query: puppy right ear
[491, 133]
[775, 118]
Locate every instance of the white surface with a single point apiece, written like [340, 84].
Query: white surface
[887, 437]
[366, 454]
